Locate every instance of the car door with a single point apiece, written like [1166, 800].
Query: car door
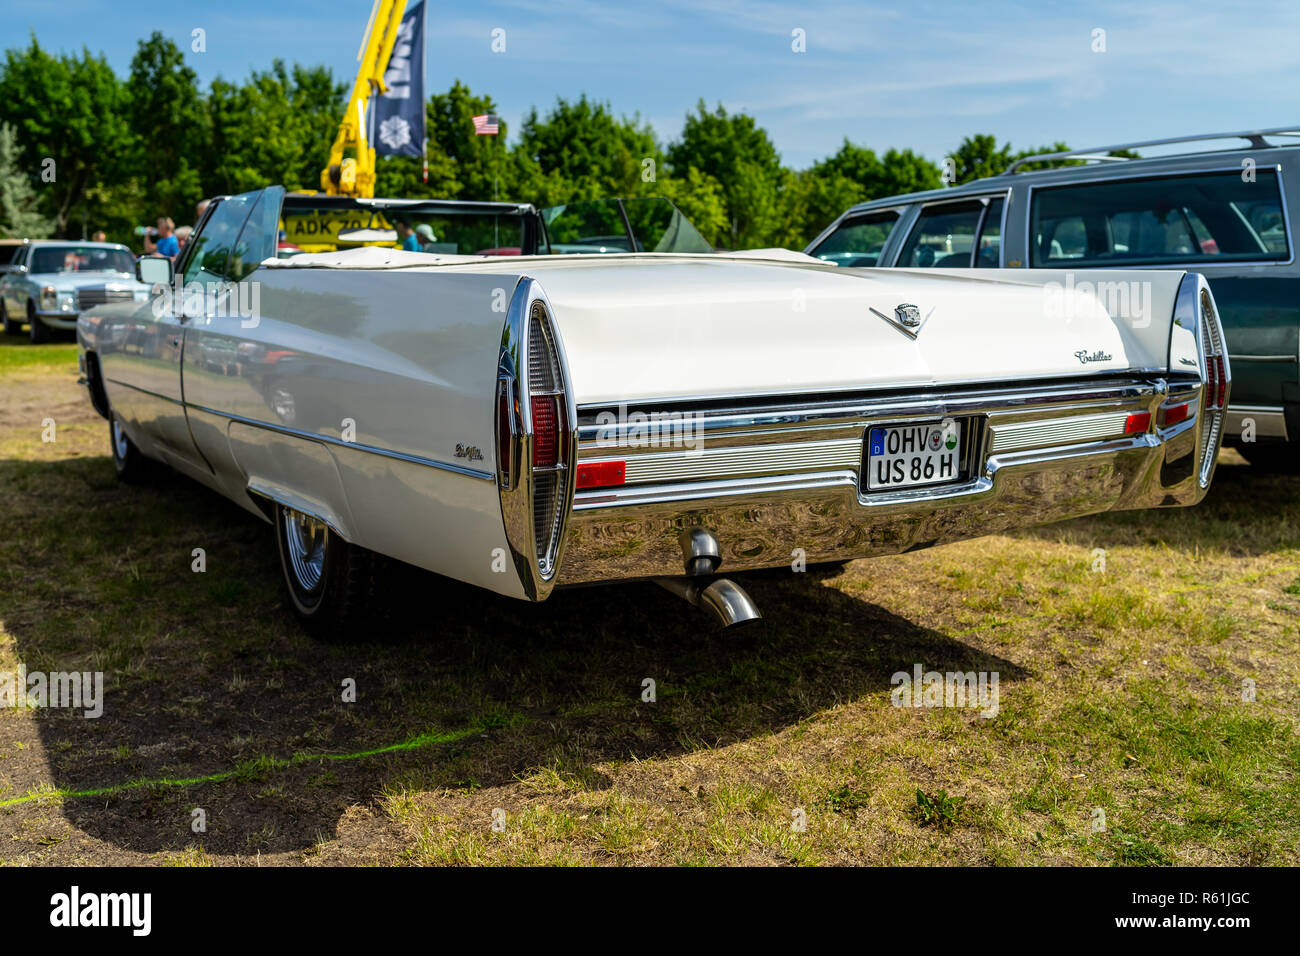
[140, 346]
[227, 368]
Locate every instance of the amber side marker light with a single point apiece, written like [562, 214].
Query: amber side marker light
[602, 474]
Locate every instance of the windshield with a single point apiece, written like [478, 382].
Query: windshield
[326, 228]
[599, 226]
[74, 258]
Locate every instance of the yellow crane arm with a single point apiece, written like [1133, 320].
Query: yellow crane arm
[355, 175]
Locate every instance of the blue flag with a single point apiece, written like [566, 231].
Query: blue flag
[399, 113]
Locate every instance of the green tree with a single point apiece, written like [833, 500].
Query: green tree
[19, 216]
[275, 128]
[978, 157]
[170, 126]
[737, 153]
[699, 196]
[588, 153]
[904, 171]
[478, 165]
[852, 175]
[69, 115]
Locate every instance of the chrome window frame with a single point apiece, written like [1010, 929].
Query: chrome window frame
[890, 247]
[983, 197]
[1195, 264]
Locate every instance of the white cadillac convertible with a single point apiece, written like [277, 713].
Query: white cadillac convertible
[521, 420]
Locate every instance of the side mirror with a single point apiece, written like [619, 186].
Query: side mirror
[153, 270]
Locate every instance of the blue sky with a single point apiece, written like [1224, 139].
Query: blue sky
[921, 75]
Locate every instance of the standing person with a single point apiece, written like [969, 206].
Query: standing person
[98, 236]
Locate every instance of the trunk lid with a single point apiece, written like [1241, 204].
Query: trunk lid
[676, 328]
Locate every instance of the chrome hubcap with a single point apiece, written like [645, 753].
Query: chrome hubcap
[305, 537]
[119, 439]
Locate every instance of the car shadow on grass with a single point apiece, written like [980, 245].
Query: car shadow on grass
[216, 701]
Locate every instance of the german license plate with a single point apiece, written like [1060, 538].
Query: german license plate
[904, 456]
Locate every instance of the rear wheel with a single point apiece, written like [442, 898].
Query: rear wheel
[1281, 457]
[40, 332]
[334, 586]
[10, 326]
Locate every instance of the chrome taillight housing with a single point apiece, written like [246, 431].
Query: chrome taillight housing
[536, 438]
[1216, 377]
[1196, 342]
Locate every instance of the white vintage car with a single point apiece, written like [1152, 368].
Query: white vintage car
[526, 422]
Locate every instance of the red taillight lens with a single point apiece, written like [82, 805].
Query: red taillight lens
[602, 474]
[1221, 393]
[1138, 422]
[547, 422]
[1174, 414]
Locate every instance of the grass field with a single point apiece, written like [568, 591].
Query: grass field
[1121, 691]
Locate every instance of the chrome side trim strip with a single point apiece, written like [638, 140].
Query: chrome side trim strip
[1269, 422]
[144, 391]
[1066, 430]
[894, 391]
[340, 443]
[761, 459]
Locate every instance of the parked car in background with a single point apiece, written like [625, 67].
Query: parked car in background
[1223, 213]
[8, 249]
[526, 422]
[49, 282]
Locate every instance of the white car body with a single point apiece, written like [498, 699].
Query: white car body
[390, 395]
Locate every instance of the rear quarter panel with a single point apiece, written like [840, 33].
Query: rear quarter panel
[349, 393]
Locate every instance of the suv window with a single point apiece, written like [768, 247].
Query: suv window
[858, 241]
[943, 236]
[1169, 219]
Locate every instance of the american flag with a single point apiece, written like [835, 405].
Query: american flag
[489, 124]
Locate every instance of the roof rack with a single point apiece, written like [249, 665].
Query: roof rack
[1099, 153]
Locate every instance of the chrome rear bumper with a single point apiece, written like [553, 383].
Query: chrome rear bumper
[1034, 456]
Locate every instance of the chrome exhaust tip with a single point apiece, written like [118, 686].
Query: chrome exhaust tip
[724, 598]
